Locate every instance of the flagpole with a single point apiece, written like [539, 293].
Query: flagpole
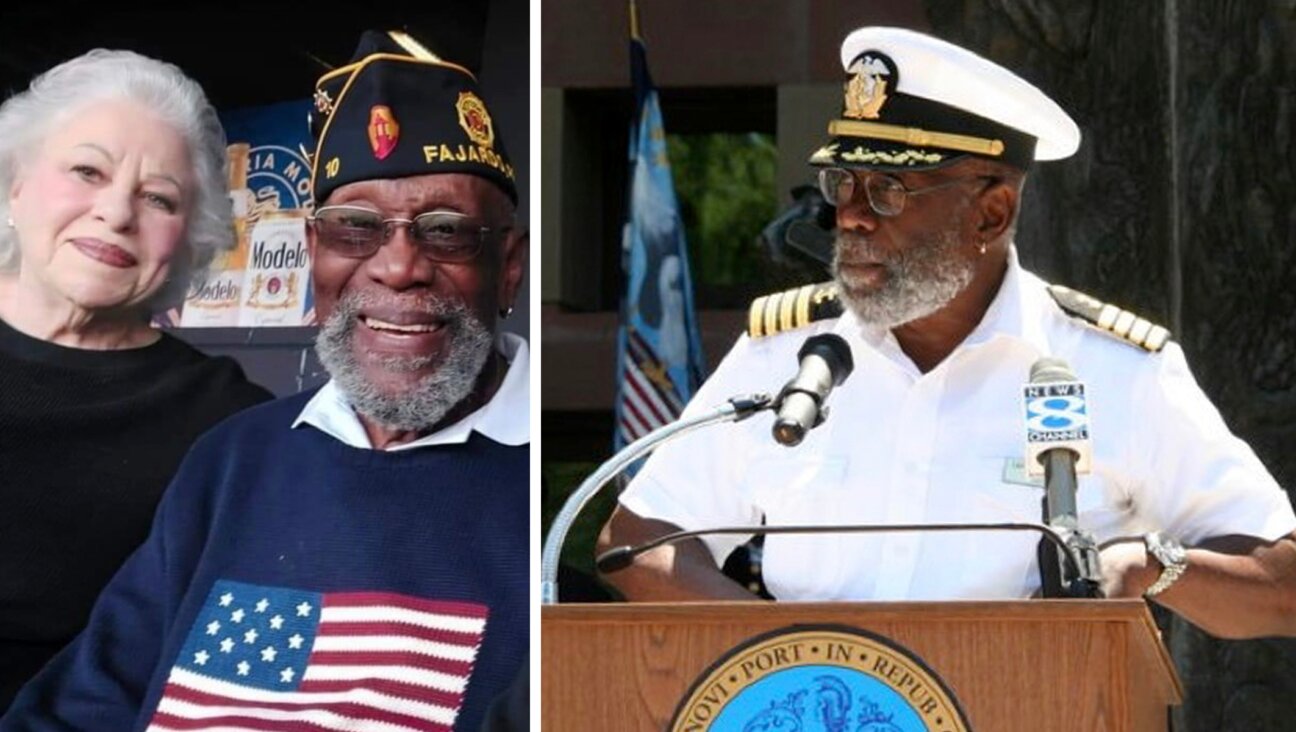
[634, 21]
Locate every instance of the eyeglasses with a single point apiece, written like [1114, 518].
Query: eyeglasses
[886, 194]
[442, 236]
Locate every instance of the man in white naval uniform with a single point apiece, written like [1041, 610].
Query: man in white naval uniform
[926, 166]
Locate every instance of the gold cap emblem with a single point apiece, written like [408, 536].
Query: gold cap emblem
[475, 120]
[866, 91]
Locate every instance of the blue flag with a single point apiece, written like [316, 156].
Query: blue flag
[659, 352]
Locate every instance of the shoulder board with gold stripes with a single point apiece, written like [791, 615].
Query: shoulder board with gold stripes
[1121, 323]
[792, 309]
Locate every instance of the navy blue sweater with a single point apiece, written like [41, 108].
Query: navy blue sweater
[276, 551]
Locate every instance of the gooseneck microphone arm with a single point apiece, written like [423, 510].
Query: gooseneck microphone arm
[621, 557]
[734, 410]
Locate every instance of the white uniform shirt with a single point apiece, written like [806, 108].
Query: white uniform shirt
[505, 418]
[901, 446]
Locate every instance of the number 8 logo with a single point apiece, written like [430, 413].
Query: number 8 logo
[1056, 413]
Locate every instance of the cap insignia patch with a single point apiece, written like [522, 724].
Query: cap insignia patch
[384, 131]
[323, 103]
[872, 74]
[475, 120]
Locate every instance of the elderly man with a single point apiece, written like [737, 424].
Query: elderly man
[925, 168]
[355, 557]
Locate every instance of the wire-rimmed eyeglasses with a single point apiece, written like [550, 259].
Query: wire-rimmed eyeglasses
[442, 236]
[886, 194]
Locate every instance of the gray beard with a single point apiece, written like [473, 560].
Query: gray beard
[431, 398]
[921, 279]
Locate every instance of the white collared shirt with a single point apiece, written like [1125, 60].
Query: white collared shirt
[901, 446]
[505, 418]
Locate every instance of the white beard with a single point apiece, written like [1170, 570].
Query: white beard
[431, 398]
[921, 279]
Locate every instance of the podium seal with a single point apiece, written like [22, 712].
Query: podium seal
[824, 677]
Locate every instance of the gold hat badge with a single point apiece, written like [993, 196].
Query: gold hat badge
[866, 91]
[475, 120]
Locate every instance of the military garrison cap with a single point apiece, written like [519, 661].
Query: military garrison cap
[791, 309]
[914, 102]
[398, 110]
[1121, 323]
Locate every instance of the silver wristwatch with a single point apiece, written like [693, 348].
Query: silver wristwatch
[1173, 558]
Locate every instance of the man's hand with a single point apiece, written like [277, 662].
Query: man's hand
[680, 571]
[1234, 586]
[1127, 569]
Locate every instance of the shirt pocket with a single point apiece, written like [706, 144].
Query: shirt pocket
[1002, 491]
[786, 489]
[803, 490]
[1099, 501]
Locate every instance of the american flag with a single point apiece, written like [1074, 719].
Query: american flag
[648, 398]
[273, 658]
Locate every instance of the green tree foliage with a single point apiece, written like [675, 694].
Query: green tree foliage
[725, 184]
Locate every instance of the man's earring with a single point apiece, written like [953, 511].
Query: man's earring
[505, 312]
[983, 246]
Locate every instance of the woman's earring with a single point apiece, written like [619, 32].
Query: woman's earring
[505, 312]
[983, 246]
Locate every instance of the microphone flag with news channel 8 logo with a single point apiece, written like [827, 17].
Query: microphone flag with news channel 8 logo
[1056, 416]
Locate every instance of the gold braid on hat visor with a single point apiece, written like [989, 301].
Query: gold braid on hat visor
[915, 136]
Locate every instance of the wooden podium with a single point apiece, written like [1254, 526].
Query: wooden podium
[1047, 665]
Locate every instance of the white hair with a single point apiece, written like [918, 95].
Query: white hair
[27, 118]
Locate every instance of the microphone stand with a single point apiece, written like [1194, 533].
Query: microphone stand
[1082, 577]
[620, 557]
[734, 410]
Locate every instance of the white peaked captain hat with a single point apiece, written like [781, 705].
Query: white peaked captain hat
[913, 102]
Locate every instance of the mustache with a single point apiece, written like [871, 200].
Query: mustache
[353, 303]
[852, 247]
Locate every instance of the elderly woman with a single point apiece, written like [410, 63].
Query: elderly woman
[112, 167]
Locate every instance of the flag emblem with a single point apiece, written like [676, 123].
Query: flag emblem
[273, 658]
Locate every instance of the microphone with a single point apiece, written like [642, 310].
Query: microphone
[1057, 419]
[618, 558]
[1058, 448]
[825, 363]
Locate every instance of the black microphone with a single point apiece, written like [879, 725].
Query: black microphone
[1057, 439]
[618, 558]
[825, 363]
